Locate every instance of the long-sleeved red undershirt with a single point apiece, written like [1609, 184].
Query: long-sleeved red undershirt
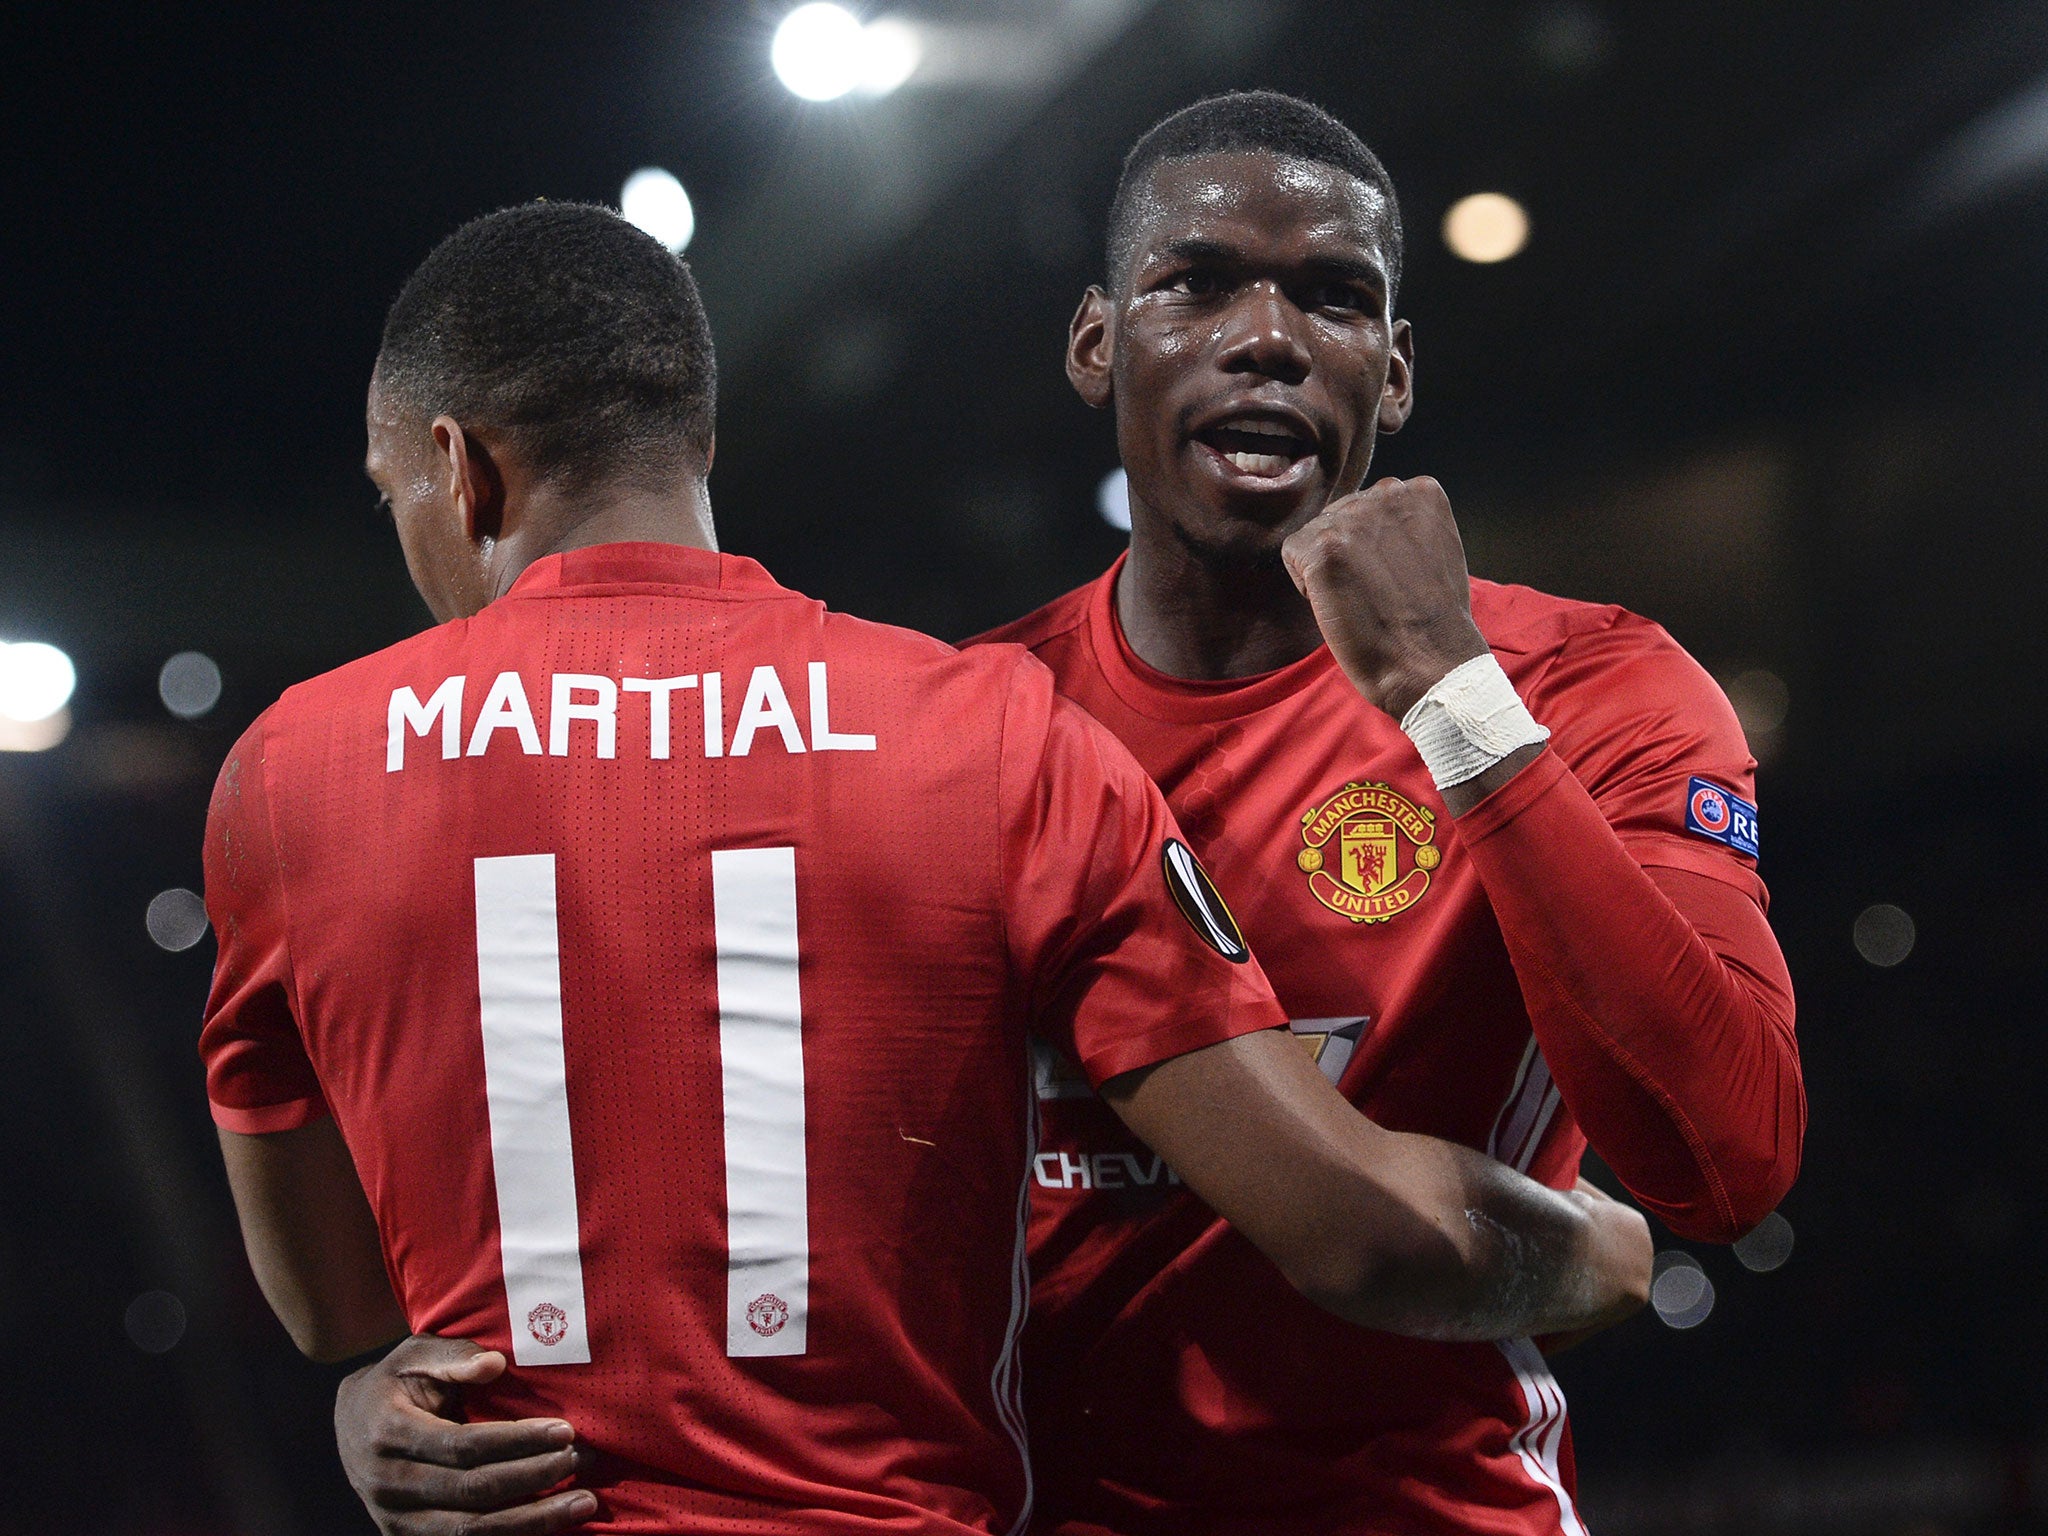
[1660, 999]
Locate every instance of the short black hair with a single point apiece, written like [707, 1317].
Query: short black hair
[1247, 120]
[563, 326]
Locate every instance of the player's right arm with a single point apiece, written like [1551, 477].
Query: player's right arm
[1133, 964]
[1393, 1231]
[311, 1238]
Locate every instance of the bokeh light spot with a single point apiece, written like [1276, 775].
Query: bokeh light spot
[1113, 499]
[36, 681]
[1761, 701]
[1486, 227]
[1766, 1246]
[155, 1321]
[1883, 934]
[890, 51]
[654, 201]
[1680, 1291]
[34, 735]
[189, 684]
[176, 919]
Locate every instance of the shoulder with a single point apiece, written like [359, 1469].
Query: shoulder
[931, 669]
[238, 786]
[1618, 692]
[418, 660]
[1062, 616]
[1597, 654]
[240, 842]
[1521, 621]
[990, 696]
[885, 641]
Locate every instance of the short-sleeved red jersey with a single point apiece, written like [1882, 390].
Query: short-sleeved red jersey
[1175, 1382]
[666, 949]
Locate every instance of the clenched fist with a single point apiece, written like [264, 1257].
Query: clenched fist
[1384, 570]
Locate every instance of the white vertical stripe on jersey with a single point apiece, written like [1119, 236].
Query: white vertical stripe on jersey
[1538, 1440]
[1007, 1382]
[1522, 1106]
[1524, 1117]
[519, 988]
[1500, 1121]
[1551, 1099]
[761, 1056]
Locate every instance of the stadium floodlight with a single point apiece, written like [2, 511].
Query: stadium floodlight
[817, 51]
[36, 681]
[1486, 227]
[822, 52]
[655, 201]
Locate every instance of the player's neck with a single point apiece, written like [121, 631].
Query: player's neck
[1208, 620]
[555, 524]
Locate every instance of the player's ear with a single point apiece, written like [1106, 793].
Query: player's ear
[1091, 341]
[475, 482]
[1397, 399]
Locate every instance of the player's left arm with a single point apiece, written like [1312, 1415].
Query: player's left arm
[1653, 981]
[311, 1238]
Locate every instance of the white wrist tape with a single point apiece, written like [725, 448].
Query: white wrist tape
[1469, 721]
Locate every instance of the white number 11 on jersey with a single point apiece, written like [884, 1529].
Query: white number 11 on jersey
[760, 1047]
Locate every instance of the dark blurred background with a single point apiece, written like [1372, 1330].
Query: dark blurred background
[1771, 369]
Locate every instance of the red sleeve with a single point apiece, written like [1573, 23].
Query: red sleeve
[1638, 720]
[1653, 982]
[258, 1077]
[1129, 955]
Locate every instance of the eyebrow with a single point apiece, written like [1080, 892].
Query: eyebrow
[1195, 248]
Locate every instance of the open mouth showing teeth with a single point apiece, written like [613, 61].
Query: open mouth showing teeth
[1258, 447]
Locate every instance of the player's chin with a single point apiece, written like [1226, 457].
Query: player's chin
[1237, 544]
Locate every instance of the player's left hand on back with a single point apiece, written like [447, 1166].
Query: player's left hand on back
[1384, 570]
[420, 1472]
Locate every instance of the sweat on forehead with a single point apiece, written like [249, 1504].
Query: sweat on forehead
[1254, 122]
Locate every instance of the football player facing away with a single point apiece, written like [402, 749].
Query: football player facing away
[1519, 943]
[634, 972]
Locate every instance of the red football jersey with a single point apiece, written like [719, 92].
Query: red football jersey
[667, 949]
[1176, 1382]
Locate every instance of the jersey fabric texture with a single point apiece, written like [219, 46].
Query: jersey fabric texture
[1175, 1382]
[973, 860]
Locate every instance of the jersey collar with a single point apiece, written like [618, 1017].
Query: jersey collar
[644, 565]
[1162, 697]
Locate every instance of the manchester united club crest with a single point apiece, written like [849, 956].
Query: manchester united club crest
[767, 1313]
[548, 1323]
[1369, 852]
